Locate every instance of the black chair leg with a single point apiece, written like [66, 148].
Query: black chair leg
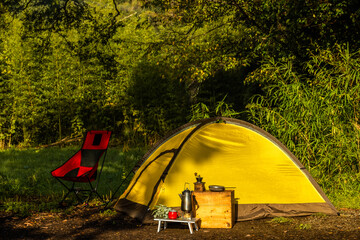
[67, 188]
[77, 191]
[70, 190]
[62, 200]
[94, 190]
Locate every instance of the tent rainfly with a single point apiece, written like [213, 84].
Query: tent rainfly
[269, 181]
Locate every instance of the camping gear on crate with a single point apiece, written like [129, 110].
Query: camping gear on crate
[83, 165]
[186, 202]
[269, 180]
[199, 185]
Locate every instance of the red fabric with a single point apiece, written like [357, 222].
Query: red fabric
[88, 143]
[74, 163]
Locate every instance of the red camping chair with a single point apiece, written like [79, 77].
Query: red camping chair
[82, 166]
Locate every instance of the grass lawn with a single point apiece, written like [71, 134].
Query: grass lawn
[26, 183]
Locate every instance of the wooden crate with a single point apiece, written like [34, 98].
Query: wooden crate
[215, 209]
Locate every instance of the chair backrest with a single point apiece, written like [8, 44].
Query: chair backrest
[82, 166]
[97, 140]
[95, 144]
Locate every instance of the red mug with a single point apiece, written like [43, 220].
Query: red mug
[172, 214]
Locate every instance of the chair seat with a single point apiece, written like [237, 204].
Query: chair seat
[77, 179]
[87, 174]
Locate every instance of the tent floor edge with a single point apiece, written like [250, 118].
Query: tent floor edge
[133, 209]
[246, 212]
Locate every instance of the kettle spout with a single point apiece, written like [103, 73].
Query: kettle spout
[180, 195]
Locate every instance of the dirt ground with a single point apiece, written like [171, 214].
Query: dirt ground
[92, 223]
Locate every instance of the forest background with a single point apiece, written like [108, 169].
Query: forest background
[142, 68]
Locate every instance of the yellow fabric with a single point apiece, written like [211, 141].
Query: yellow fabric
[142, 191]
[232, 156]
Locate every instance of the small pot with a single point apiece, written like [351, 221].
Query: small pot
[216, 188]
[172, 214]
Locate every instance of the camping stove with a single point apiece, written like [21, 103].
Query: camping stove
[187, 215]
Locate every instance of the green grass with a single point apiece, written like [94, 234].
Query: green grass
[342, 189]
[26, 184]
[281, 220]
[304, 226]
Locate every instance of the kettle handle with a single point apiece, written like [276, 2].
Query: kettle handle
[185, 185]
[196, 204]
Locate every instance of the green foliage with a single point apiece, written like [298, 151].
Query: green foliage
[271, 28]
[161, 211]
[221, 108]
[77, 62]
[159, 99]
[343, 190]
[315, 114]
[199, 111]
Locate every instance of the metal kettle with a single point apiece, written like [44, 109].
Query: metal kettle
[186, 203]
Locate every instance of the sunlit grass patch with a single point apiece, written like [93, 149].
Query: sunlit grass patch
[304, 226]
[108, 213]
[281, 220]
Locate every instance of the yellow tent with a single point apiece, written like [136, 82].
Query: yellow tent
[267, 178]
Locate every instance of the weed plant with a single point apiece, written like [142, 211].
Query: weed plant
[304, 226]
[161, 211]
[281, 220]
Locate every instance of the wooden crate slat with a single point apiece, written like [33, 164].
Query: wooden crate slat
[216, 209]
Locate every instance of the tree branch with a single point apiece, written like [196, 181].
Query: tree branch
[116, 9]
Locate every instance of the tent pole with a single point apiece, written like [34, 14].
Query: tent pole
[118, 188]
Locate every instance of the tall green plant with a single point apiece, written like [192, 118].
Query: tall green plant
[220, 108]
[315, 114]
